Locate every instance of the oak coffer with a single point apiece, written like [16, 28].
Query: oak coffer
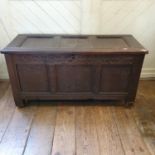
[74, 67]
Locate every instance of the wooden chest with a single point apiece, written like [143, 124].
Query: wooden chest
[74, 67]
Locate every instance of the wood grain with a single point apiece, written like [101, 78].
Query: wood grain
[42, 131]
[14, 140]
[150, 142]
[7, 108]
[144, 113]
[64, 135]
[108, 135]
[86, 134]
[130, 136]
[146, 88]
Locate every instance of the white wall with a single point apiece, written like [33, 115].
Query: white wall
[135, 17]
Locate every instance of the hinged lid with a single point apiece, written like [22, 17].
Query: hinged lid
[32, 43]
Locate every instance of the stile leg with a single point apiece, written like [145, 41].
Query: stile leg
[19, 102]
[129, 104]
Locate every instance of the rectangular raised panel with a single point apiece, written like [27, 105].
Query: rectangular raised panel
[36, 42]
[115, 78]
[76, 78]
[32, 78]
[75, 42]
[111, 42]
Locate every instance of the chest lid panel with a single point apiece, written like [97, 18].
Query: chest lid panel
[32, 43]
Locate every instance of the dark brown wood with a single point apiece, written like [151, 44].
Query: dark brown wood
[58, 67]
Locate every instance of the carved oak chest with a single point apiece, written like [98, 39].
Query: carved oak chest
[74, 67]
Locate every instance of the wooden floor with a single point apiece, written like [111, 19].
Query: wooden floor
[78, 128]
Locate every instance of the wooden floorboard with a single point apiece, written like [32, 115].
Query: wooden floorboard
[64, 135]
[108, 135]
[42, 131]
[87, 142]
[7, 109]
[144, 113]
[131, 138]
[78, 129]
[16, 135]
[150, 142]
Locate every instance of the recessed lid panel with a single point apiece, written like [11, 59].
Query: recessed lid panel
[80, 42]
[110, 42]
[74, 42]
[38, 42]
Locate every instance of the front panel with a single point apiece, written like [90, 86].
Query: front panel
[32, 77]
[74, 78]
